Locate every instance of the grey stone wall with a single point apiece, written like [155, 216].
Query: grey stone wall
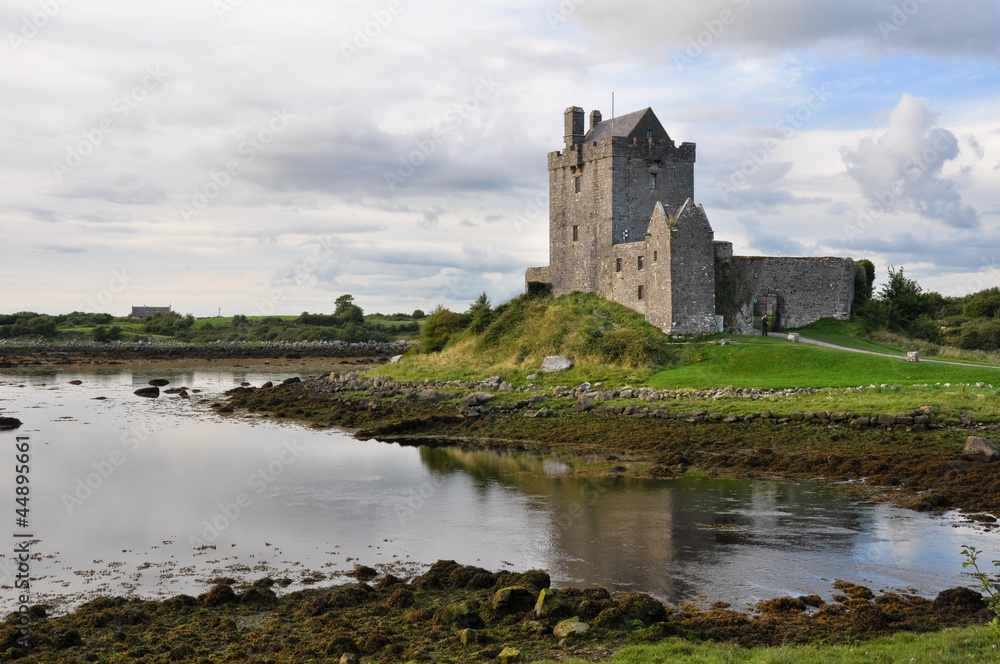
[624, 283]
[575, 263]
[659, 296]
[692, 272]
[808, 288]
[637, 160]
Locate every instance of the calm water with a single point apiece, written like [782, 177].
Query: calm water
[130, 495]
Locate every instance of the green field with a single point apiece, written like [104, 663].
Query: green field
[776, 363]
[223, 320]
[949, 646]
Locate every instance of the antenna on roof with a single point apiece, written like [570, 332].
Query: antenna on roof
[612, 119]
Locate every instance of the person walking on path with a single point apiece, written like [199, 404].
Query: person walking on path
[763, 324]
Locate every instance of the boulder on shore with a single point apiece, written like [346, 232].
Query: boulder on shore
[151, 392]
[554, 363]
[159, 382]
[981, 449]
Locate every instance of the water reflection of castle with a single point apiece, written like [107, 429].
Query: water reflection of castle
[670, 539]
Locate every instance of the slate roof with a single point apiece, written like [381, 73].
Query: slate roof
[624, 125]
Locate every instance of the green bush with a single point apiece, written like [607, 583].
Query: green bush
[104, 334]
[980, 335]
[984, 304]
[628, 347]
[480, 314]
[438, 329]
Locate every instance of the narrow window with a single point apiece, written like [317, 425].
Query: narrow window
[640, 262]
[654, 256]
[640, 292]
[625, 235]
[576, 184]
[652, 180]
[618, 265]
[649, 133]
[576, 233]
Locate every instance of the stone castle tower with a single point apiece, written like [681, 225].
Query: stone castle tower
[623, 224]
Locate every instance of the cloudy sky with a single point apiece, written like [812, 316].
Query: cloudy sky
[262, 157]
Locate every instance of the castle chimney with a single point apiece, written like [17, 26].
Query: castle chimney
[574, 125]
[595, 118]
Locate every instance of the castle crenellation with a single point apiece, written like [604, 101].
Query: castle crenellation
[623, 224]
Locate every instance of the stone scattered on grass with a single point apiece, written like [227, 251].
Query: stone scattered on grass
[554, 363]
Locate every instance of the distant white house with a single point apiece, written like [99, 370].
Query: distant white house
[145, 312]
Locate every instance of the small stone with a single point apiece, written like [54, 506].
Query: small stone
[515, 599]
[395, 359]
[886, 419]
[570, 627]
[978, 448]
[550, 604]
[471, 636]
[554, 363]
[509, 656]
[535, 628]
[430, 395]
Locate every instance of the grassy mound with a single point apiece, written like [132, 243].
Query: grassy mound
[606, 340]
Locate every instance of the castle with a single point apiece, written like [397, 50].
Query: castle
[623, 224]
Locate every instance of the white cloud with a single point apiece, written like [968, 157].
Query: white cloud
[679, 29]
[473, 214]
[901, 169]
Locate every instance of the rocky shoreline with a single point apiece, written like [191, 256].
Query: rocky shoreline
[454, 613]
[21, 357]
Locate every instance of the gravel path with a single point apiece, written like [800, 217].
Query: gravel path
[896, 357]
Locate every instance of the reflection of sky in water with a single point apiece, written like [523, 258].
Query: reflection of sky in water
[312, 500]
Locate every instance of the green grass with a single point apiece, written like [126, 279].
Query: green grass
[950, 646]
[849, 334]
[753, 362]
[391, 324]
[221, 320]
